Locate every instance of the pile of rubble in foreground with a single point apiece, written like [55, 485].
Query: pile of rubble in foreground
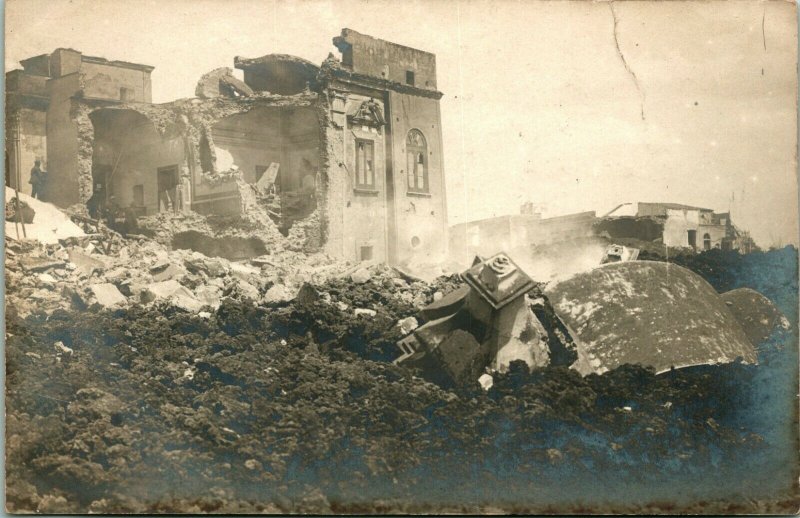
[109, 272]
[267, 385]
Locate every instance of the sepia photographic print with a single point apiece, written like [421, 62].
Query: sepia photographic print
[425, 257]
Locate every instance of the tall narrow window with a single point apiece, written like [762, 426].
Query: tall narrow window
[365, 164]
[410, 77]
[417, 162]
[706, 242]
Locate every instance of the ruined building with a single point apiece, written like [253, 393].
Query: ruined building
[674, 225]
[350, 151]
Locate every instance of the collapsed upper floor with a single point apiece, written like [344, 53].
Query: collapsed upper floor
[92, 77]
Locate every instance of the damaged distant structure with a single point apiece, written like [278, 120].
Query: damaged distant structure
[517, 232]
[350, 151]
[675, 225]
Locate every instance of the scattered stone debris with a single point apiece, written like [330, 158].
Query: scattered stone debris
[19, 211]
[191, 358]
[619, 253]
[105, 268]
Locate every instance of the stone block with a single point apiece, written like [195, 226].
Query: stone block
[107, 294]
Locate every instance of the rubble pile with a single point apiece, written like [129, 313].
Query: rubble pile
[148, 378]
[291, 408]
[83, 273]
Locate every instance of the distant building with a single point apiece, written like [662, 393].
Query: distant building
[516, 232]
[351, 149]
[673, 224]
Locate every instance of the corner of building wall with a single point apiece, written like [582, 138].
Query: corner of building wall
[445, 226]
[332, 197]
[85, 136]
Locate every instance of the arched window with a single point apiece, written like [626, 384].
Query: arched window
[706, 242]
[417, 162]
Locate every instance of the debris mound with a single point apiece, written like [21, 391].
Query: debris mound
[48, 226]
[646, 313]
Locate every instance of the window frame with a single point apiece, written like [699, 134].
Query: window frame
[413, 150]
[360, 161]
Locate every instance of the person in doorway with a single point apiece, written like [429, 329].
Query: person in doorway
[96, 202]
[167, 190]
[113, 213]
[131, 220]
[37, 180]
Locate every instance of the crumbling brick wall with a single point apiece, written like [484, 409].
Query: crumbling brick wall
[193, 120]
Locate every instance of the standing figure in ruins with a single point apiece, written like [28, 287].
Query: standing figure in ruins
[167, 190]
[37, 180]
[96, 203]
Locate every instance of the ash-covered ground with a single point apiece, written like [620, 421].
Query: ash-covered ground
[294, 406]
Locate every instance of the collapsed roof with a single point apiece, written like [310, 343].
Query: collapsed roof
[278, 73]
[221, 82]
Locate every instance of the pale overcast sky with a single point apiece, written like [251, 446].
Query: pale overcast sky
[697, 107]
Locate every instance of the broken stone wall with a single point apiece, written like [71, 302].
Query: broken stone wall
[185, 128]
[642, 228]
[285, 136]
[332, 151]
[483, 237]
[370, 56]
[64, 185]
[128, 153]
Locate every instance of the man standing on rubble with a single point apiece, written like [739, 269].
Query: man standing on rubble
[37, 180]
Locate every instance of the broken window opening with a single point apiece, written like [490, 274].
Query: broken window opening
[365, 164]
[206, 163]
[366, 253]
[692, 236]
[417, 158]
[126, 94]
[410, 77]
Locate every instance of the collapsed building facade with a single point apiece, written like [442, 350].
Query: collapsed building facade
[350, 151]
[675, 225]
